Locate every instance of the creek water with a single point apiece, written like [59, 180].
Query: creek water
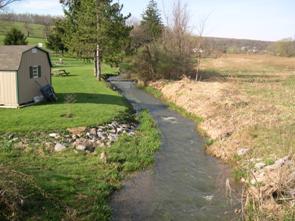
[184, 183]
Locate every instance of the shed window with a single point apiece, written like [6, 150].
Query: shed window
[35, 72]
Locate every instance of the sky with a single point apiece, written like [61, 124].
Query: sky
[247, 19]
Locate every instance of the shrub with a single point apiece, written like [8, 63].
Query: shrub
[284, 48]
[162, 60]
[15, 37]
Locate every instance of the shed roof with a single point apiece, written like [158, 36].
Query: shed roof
[10, 56]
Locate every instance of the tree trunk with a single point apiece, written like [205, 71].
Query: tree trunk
[98, 63]
[198, 77]
[150, 62]
[98, 54]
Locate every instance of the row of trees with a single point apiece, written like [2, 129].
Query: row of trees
[29, 18]
[99, 30]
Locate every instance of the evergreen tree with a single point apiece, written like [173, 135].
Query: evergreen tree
[15, 37]
[97, 29]
[152, 22]
[55, 38]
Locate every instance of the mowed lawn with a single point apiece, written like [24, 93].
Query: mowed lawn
[69, 185]
[82, 101]
[31, 41]
[40, 184]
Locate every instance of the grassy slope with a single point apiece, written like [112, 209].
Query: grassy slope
[36, 30]
[158, 94]
[31, 41]
[70, 186]
[94, 103]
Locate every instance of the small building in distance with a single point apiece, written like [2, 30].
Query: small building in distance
[23, 71]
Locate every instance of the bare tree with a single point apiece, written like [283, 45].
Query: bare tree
[4, 3]
[180, 26]
[28, 28]
[46, 30]
[198, 50]
[29, 18]
[177, 42]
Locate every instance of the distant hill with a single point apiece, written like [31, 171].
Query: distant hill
[230, 45]
[214, 46]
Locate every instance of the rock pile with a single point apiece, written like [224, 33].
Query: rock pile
[88, 139]
[273, 184]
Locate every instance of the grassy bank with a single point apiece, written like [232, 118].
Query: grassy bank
[158, 94]
[247, 106]
[39, 185]
[80, 96]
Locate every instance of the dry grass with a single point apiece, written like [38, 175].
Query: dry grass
[251, 63]
[247, 103]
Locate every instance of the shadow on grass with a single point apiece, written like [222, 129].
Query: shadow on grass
[60, 76]
[86, 98]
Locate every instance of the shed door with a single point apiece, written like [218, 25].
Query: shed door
[8, 89]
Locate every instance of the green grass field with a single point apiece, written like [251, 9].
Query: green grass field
[31, 41]
[39, 184]
[89, 102]
[71, 186]
[35, 30]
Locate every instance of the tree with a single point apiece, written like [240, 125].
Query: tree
[55, 38]
[152, 22]
[97, 29]
[170, 56]
[46, 30]
[199, 49]
[15, 37]
[4, 3]
[284, 48]
[55, 42]
[28, 28]
[137, 37]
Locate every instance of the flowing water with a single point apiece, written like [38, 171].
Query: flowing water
[184, 183]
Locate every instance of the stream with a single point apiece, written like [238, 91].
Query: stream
[184, 183]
